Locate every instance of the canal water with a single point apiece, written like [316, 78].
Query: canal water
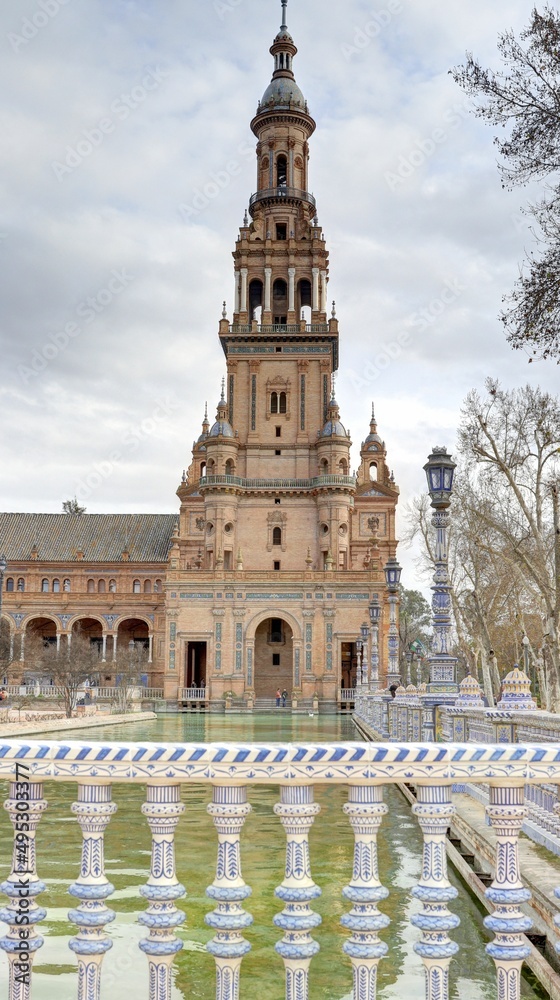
[263, 846]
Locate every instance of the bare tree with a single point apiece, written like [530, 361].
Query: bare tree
[522, 100]
[71, 667]
[511, 445]
[128, 669]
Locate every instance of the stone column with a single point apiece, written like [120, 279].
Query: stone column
[58, 637]
[244, 276]
[115, 638]
[236, 293]
[22, 648]
[291, 289]
[229, 810]
[150, 648]
[393, 642]
[434, 810]
[365, 809]
[104, 649]
[506, 813]
[162, 810]
[315, 297]
[93, 810]
[268, 289]
[324, 291]
[297, 811]
[25, 807]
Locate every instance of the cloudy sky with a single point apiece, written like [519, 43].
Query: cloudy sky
[127, 163]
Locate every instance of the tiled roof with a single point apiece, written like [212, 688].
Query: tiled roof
[101, 537]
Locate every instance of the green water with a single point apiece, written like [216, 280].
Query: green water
[263, 843]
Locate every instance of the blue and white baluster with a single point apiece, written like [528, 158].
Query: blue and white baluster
[93, 809]
[297, 811]
[365, 809]
[229, 809]
[162, 810]
[506, 812]
[434, 810]
[25, 807]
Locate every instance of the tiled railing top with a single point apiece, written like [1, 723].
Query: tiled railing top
[256, 763]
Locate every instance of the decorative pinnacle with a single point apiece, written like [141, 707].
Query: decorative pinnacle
[372, 412]
[224, 310]
[223, 399]
[206, 412]
[333, 310]
[246, 219]
[284, 14]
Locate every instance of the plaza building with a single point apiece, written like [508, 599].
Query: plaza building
[264, 579]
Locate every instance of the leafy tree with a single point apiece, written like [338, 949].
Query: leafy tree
[72, 507]
[522, 99]
[414, 624]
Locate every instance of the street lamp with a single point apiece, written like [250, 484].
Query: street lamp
[393, 572]
[374, 617]
[439, 470]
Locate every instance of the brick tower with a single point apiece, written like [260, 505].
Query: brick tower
[279, 548]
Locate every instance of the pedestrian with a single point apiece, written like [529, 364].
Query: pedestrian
[284, 696]
[278, 696]
[3, 694]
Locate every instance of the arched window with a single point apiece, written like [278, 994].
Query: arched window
[136, 589]
[202, 469]
[277, 536]
[44, 586]
[210, 468]
[343, 467]
[281, 171]
[56, 586]
[274, 402]
[230, 468]
[282, 403]
[101, 587]
[66, 586]
[91, 586]
[324, 467]
[21, 585]
[112, 586]
[10, 584]
[147, 586]
[157, 587]
[373, 472]
[255, 299]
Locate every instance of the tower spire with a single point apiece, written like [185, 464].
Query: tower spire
[284, 14]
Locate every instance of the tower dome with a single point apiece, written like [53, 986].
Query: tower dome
[333, 426]
[283, 91]
[222, 426]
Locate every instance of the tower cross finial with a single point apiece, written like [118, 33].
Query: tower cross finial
[284, 14]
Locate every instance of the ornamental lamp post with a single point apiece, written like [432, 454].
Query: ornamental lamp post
[359, 645]
[374, 617]
[364, 633]
[439, 470]
[393, 572]
[3, 566]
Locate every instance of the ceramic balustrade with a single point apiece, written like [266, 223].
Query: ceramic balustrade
[230, 772]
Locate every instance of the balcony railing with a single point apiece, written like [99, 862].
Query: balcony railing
[317, 482]
[282, 193]
[347, 694]
[193, 694]
[230, 771]
[268, 328]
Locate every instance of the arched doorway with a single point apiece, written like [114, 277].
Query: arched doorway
[133, 648]
[90, 631]
[274, 657]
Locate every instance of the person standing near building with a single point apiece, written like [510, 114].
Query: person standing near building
[284, 696]
[278, 696]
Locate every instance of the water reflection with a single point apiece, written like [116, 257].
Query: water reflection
[127, 861]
